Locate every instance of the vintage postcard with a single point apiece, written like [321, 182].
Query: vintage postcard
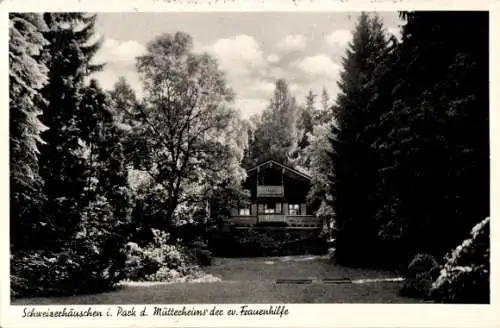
[222, 164]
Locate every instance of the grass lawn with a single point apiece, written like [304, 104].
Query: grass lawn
[254, 281]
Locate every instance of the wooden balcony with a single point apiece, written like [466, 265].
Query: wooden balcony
[272, 218]
[270, 191]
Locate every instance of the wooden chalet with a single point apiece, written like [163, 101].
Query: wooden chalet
[276, 196]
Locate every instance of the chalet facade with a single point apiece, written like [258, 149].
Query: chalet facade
[276, 196]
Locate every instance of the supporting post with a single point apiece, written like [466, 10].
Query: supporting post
[257, 194]
[283, 194]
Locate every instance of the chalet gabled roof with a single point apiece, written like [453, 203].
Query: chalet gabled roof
[286, 167]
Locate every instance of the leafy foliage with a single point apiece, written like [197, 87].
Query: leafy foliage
[158, 261]
[422, 271]
[187, 125]
[265, 242]
[78, 269]
[465, 277]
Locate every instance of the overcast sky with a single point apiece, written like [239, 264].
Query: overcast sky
[254, 49]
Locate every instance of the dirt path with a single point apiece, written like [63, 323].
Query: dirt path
[254, 281]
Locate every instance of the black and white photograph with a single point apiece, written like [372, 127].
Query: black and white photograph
[268, 158]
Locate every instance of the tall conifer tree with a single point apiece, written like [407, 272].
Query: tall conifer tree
[353, 180]
[435, 174]
[27, 76]
[276, 133]
[63, 162]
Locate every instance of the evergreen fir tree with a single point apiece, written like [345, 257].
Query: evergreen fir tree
[353, 179]
[105, 220]
[299, 157]
[128, 113]
[276, 133]
[27, 76]
[306, 119]
[125, 102]
[323, 114]
[325, 100]
[435, 184]
[63, 159]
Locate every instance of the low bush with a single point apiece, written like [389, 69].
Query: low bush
[201, 253]
[160, 261]
[36, 273]
[204, 257]
[255, 242]
[90, 261]
[76, 270]
[422, 271]
[465, 277]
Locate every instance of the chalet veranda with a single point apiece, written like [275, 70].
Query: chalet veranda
[275, 196]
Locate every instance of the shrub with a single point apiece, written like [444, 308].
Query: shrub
[36, 273]
[148, 213]
[164, 273]
[158, 261]
[331, 254]
[465, 275]
[255, 242]
[78, 270]
[204, 257]
[189, 233]
[138, 265]
[201, 253]
[422, 271]
[91, 261]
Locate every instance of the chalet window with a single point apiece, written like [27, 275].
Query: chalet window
[270, 209]
[244, 211]
[293, 209]
[278, 208]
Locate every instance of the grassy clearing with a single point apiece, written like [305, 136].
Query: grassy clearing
[253, 281]
[272, 268]
[237, 292]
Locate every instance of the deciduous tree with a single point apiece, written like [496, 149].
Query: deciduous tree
[187, 121]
